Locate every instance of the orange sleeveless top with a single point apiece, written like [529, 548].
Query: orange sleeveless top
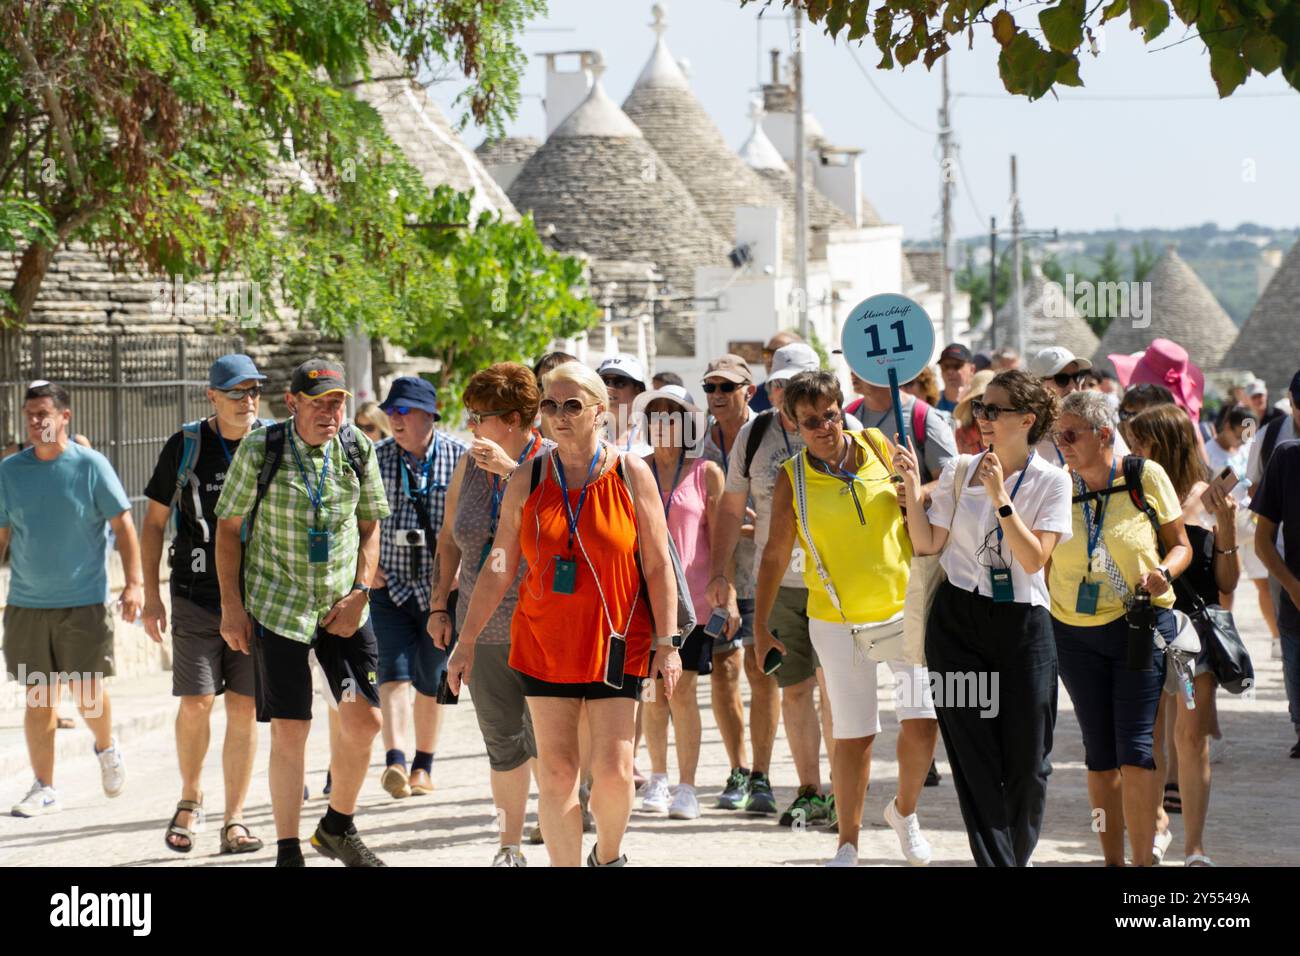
[561, 638]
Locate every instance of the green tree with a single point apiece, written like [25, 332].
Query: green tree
[1042, 43]
[1145, 257]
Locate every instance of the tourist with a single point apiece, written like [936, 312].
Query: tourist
[957, 366]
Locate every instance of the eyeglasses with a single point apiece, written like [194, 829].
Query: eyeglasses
[1063, 379]
[477, 418]
[990, 413]
[239, 394]
[1067, 437]
[824, 420]
[726, 388]
[571, 407]
[617, 381]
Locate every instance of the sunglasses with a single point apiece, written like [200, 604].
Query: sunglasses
[571, 407]
[403, 410]
[990, 413]
[617, 381]
[1067, 437]
[726, 388]
[477, 418]
[239, 394]
[1063, 379]
[825, 420]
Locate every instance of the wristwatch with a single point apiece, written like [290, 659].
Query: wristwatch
[1169, 578]
[1007, 510]
[364, 589]
[674, 640]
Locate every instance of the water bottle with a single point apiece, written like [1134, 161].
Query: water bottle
[1141, 622]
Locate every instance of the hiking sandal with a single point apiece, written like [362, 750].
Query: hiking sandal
[252, 845]
[1173, 799]
[194, 807]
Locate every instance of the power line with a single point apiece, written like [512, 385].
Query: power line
[1136, 98]
[885, 99]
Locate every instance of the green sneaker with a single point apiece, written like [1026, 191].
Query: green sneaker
[735, 792]
[761, 800]
[805, 809]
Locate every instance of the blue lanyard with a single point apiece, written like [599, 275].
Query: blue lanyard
[570, 514]
[654, 468]
[721, 447]
[319, 495]
[225, 449]
[789, 452]
[1024, 471]
[425, 467]
[498, 492]
[1094, 534]
[1059, 456]
[849, 478]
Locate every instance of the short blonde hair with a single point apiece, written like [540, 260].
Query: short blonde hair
[580, 375]
[373, 415]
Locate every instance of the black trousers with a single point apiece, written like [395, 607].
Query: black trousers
[1000, 754]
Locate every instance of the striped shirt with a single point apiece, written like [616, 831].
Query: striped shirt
[408, 570]
[285, 592]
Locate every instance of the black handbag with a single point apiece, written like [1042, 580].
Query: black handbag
[1225, 651]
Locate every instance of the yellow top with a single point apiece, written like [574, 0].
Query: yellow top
[866, 555]
[1130, 539]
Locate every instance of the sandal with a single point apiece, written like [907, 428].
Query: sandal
[1199, 859]
[194, 807]
[251, 845]
[1173, 800]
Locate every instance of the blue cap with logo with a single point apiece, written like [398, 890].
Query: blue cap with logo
[229, 370]
[410, 391]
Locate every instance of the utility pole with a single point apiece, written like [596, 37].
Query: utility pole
[993, 282]
[800, 186]
[945, 143]
[1017, 281]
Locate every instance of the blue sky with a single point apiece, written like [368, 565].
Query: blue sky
[1146, 143]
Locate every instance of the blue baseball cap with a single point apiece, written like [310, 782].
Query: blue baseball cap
[410, 391]
[229, 370]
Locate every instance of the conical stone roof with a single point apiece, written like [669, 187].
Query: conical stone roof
[686, 138]
[1182, 309]
[606, 193]
[1051, 320]
[762, 156]
[1269, 342]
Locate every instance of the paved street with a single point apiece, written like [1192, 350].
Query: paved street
[1254, 817]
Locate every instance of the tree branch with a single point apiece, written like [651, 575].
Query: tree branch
[52, 104]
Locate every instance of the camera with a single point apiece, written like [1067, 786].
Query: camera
[409, 538]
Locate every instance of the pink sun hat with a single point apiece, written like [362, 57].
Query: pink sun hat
[1164, 363]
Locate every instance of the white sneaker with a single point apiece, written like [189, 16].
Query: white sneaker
[847, 856]
[112, 769]
[509, 856]
[655, 796]
[1276, 652]
[40, 799]
[1160, 846]
[915, 847]
[685, 805]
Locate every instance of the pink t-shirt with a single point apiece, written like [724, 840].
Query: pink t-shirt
[688, 524]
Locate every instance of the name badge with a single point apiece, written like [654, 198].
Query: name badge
[1004, 591]
[1086, 601]
[318, 546]
[566, 576]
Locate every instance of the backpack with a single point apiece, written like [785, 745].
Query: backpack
[1272, 432]
[191, 442]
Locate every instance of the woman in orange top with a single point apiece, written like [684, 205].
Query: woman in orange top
[581, 607]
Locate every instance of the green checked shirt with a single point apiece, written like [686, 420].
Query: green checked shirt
[285, 592]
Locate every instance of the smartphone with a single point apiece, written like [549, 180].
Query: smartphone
[615, 657]
[444, 695]
[772, 662]
[717, 622]
[1225, 481]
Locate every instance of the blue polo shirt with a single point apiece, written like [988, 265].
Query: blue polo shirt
[58, 513]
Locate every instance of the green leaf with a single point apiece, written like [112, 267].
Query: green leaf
[1228, 69]
[1063, 25]
[1067, 74]
[1263, 52]
[1115, 8]
[1151, 15]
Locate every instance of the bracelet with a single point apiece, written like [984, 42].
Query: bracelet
[439, 610]
[1232, 550]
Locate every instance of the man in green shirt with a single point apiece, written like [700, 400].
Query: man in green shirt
[311, 552]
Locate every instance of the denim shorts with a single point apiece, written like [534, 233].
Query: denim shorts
[406, 651]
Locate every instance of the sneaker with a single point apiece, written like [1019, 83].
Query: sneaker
[40, 799]
[932, 778]
[591, 859]
[396, 781]
[347, 849]
[735, 792]
[761, 798]
[847, 856]
[535, 836]
[584, 801]
[112, 769]
[915, 847]
[655, 797]
[1160, 846]
[509, 856]
[804, 810]
[685, 805]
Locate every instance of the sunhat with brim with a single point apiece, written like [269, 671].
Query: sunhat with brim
[978, 383]
[673, 393]
[1164, 363]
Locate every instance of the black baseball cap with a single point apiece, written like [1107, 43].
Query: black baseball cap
[956, 350]
[318, 377]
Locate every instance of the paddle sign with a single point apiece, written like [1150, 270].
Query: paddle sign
[888, 340]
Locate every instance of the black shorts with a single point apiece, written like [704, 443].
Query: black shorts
[596, 690]
[283, 676]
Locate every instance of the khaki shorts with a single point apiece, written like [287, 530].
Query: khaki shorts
[788, 623]
[202, 662]
[72, 641]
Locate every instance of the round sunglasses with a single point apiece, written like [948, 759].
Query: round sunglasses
[571, 407]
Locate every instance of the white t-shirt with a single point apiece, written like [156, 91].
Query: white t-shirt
[1043, 502]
